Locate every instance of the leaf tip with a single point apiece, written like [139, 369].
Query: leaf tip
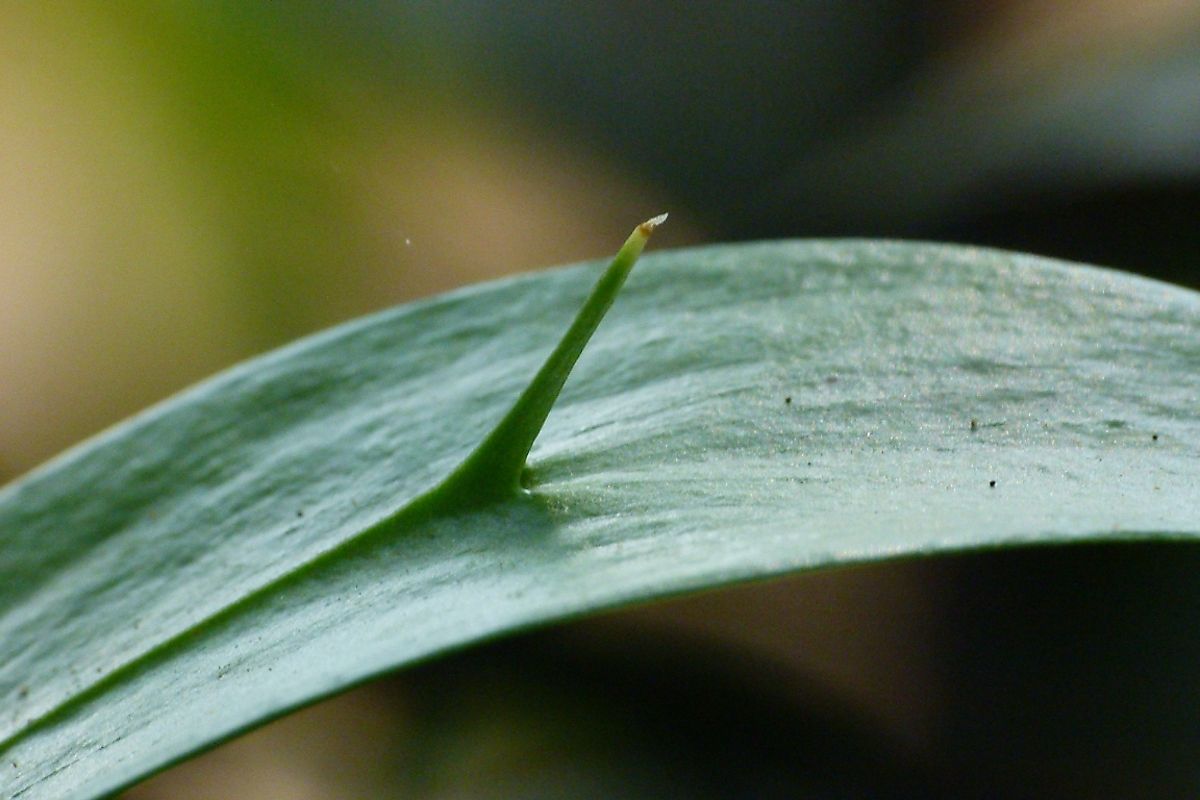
[647, 227]
[496, 468]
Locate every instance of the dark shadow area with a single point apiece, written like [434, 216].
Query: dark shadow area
[1063, 671]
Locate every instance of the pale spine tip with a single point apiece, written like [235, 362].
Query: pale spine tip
[649, 225]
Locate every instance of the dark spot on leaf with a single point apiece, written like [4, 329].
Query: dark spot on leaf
[974, 424]
[831, 379]
[23, 692]
[992, 484]
[787, 400]
[1154, 437]
[300, 513]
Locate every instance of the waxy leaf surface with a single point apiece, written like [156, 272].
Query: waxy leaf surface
[743, 411]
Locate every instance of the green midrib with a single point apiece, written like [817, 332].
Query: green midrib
[490, 474]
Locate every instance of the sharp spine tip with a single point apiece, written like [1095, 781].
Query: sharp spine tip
[649, 225]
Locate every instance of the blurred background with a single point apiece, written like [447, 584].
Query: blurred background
[183, 185]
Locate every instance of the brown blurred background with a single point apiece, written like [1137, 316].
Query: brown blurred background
[185, 185]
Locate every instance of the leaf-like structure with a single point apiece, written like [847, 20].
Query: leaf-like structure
[744, 411]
